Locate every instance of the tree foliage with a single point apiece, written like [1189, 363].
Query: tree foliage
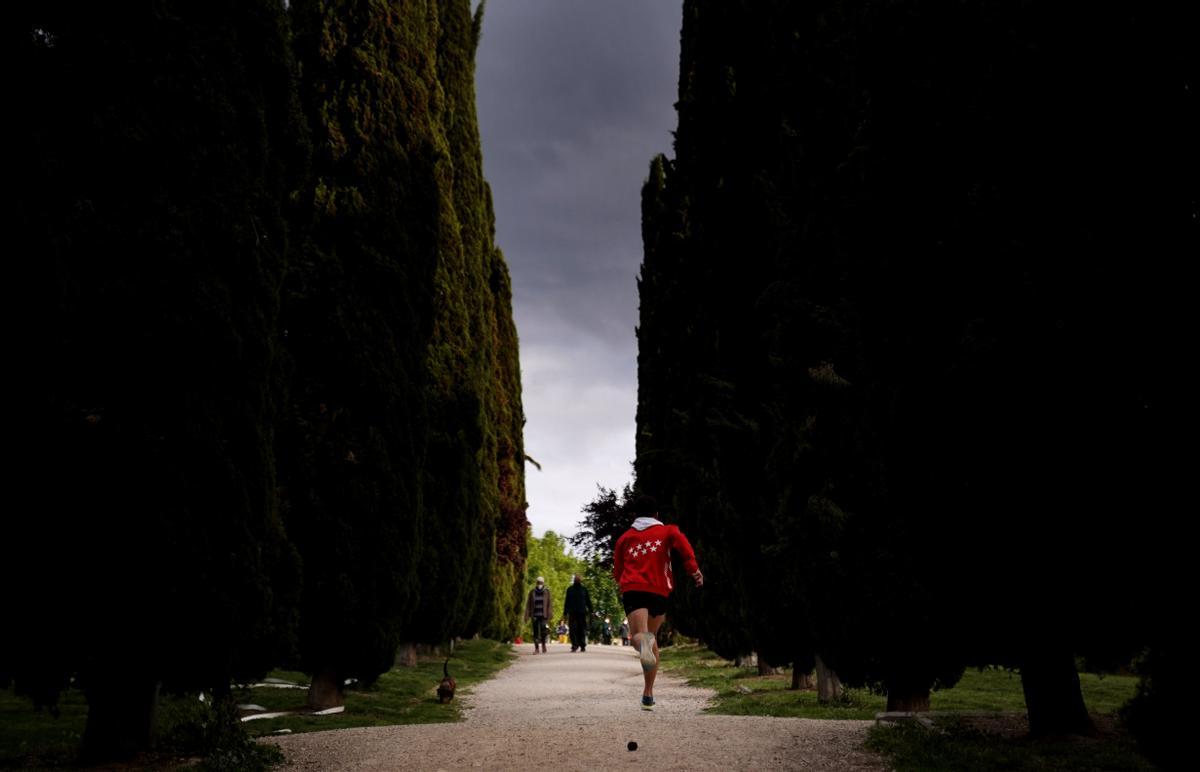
[263, 277]
[161, 143]
[605, 518]
[605, 596]
[909, 312]
[549, 557]
[406, 401]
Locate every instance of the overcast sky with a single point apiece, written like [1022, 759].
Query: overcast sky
[575, 97]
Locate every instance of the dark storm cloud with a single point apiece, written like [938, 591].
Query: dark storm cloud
[574, 99]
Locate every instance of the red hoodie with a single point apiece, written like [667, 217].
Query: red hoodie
[642, 557]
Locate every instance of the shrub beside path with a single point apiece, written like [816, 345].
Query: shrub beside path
[579, 712]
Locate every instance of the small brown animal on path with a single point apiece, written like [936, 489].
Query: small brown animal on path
[445, 690]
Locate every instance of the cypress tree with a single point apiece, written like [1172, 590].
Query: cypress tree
[706, 432]
[1021, 162]
[160, 143]
[881, 312]
[470, 357]
[405, 445]
[507, 604]
[358, 315]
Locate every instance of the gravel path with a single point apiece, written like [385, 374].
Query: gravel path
[579, 711]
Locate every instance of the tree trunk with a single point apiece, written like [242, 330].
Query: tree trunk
[1052, 695]
[406, 655]
[765, 669]
[327, 690]
[901, 700]
[802, 681]
[829, 688]
[120, 719]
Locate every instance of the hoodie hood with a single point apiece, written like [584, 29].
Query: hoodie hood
[642, 523]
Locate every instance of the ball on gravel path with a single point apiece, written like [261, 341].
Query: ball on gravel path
[632, 745]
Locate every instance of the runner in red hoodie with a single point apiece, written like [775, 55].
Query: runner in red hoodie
[642, 567]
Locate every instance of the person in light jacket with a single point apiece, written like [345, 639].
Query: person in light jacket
[537, 608]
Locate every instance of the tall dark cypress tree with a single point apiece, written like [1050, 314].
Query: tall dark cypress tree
[405, 432]
[159, 144]
[465, 390]
[719, 234]
[911, 368]
[358, 315]
[507, 603]
[1012, 163]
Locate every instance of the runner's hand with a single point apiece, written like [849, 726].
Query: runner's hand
[698, 578]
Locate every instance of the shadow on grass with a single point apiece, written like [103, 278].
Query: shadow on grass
[997, 739]
[1001, 744]
[403, 695]
[35, 740]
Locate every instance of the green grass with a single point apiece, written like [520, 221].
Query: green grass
[768, 696]
[993, 689]
[400, 696]
[27, 734]
[36, 740]
[997, 689]
[956, 745]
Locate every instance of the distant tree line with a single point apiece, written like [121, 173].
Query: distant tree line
[911, 347]
[549, 557]
[272, 395]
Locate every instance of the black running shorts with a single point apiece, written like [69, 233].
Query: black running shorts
[655, 604]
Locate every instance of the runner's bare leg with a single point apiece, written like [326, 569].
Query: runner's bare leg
[654, 624]
[639, 622]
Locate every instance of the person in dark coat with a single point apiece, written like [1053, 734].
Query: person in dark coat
[577, 607]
